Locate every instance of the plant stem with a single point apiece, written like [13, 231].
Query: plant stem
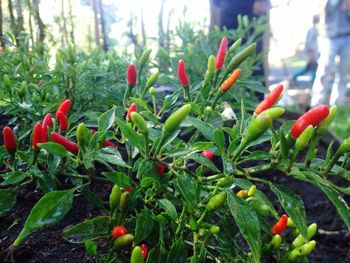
[239, 150]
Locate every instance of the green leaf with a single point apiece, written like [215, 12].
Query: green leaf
[168, 207]
[8, 199]
[147, 181]
[204, 161]
[177, 253]
[339, 203]
[170, 100]
[88, 230]
[93, 198]
[185, 186]
[106, 120]
[118, 178]
[145, 169]
[293, 205]
[54, 148]
[144, 226]
[91, 248]
[247, 222]
[203, 127]
[51, 208]
[13, 178]
[284, 144]
[154, 255]
[219, 139]
[141, 103]
[257, 156]
[130, 134]
[110, 158]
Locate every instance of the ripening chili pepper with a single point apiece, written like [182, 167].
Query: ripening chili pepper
[83, 134]
[312, 117]
[136, 255]
[47, 122]
[181, 71]
[132, 76]
[160, 169]
[62, 119]
[9, 140]
[140, 123]
[221, 54]
[144, 250]
[119, 231]
[67, 144]
[228, 83]
[323, 126]
[124, 240]
[281, 225]
[64, 107]
[257, 127]
[270, 100]
[37, 136]
[242, 193]
[304, 138]
[131, 109]
[216, 201]
[127, 189]
[175, 119]
[208, 154]
[114, 197]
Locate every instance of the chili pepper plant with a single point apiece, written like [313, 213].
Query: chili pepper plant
[183, 176]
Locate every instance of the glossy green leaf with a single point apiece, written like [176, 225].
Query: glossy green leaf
[154, 255]
[293, 205]
[54, 148]
[219, 139]
[178, 252]
[91, 248]
[118, 178]
[147, 181]
[204, 161]
[130, 134]
[106, 120]
[8, 199]
[13, 178]
[88, 230]
[247, 222]
[51, 208]
[185, 186]
[203, 127]
[110, 158]
[168, 207]
[144, 225]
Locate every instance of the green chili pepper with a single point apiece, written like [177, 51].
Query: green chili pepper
[276, 241]
[152, 91]
[302, 250]
[323, 126]
[252, 190]
[300, 240]
[175, 119]
[239, 58]
[7, 81]
[257, 127]
[214, 229]
[145, 56]
[304, 138]
[152, 79]
[114, 197]
[274, 113]
[136, 255]
[124, 240]
[211, 65]
[344, 146]
[124, 200]
[235, 45]
[216, 201]
[83, 134]
[226, 181]
[140, 123]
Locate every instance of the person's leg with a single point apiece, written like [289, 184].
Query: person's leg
[339, 91]
[323, 81]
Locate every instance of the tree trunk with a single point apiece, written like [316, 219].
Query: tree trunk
[2, 42]
[143, 30]
[30, 14]
[12, 19]
[39, 22]
[103, 26]
[70, 14]
[214, 15]
[64, 25]
[131, 34]
[160, 24]
[97, 28]
[20, 19]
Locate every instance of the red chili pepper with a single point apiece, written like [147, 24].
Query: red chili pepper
[181, 71]
[9, 140]
[144, 250]
[132, 77]
[131, 109]
[270, 100]
[67, 144]
[208, 154]
[62, 119]
[160, 169]
[47, 122]
[106, 143]
[64, 107]
[312, 117]
[127, 189]
[228, 83]
[119, 231]
[37, 136]
[281, 225]
[220, 56]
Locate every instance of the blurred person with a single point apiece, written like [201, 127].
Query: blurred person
[311, 51]
[337, 44]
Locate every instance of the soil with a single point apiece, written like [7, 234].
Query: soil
[49, 246]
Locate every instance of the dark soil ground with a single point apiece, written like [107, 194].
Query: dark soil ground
[48, 245]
